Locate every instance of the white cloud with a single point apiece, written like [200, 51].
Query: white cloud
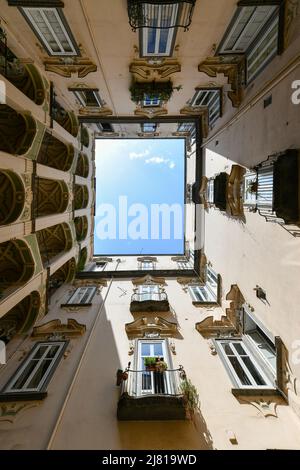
[135, 155]
[161, 160]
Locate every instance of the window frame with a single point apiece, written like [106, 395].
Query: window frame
[87, 303]
[80, 95]
[154, 124]
[25, 11]
[199, 288]
[215, 98]
[39, 392]
[144, 35]
[231, 371]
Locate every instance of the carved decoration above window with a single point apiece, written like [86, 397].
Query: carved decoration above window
[149, 325]
[229, 324]
[149, 280]
[200, 111]
[54, 327]
[233, 67]
[154, 70]
[66, 67]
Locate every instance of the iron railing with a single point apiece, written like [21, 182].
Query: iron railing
[141, 383]
[160, 14]
[144, 297]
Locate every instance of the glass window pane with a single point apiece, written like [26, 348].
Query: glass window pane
[254, 372]
[158, 349]
[39, 374]
[40, 352]
[239, 370]
[145, 349]
[19, 384]
[227, 349]
[52, 352]
[240, 349]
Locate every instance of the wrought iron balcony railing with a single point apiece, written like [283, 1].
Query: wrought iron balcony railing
[160, 14]
[141, 383]
[145, 297]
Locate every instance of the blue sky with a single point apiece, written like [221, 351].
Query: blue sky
[140, 171]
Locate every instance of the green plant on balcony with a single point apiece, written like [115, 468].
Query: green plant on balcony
[150, 363]
[190, 397]
[152, 90]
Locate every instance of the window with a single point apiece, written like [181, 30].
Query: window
[246, 25]
[150, 382]
[82, 296]
[149, 293]
[36, 370]
[151, 101]
[50, 26]
[263, 51]
[254, 31]
[158, 39]
[210, 191]
[244, 370]
[145, 265]
[149, 127]
[100, 266]
[212, 281]
[88, 97]
[105, 127]
[212, 98]
[202, 294]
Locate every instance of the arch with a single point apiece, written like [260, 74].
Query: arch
[82, 259]
[25, 77]
[16, 264]
[52, 197]
[85, 137]
[20, 318]
[53, 241]
[55, 153]
[81, 228]
[81, 197]
[82, 168]
[12, 197]
[67, 119]
[17, 131]
[64, 274]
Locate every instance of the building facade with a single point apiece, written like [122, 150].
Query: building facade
[194, 350]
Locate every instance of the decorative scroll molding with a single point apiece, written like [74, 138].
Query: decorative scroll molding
[157, 325]
[149, 112]
[287, 381]
[148, 135]
[292, 10]
[189, 281]
[265, 407]
[56, 327]
[154, 70]
[95, 111]
[10, 411]
[233, 69]
[102, 259]
[143, 259]
[234, 191]
[66, 67]
[180, 259]
[148, 280]
[181, 134]
[90, 282]
[202, 112]
[229, 324]
[202, 192]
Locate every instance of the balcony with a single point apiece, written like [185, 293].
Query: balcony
[152, 395]
[149, 302]
[278, 188]
[145, 13]
[161, 91]
[25, 77]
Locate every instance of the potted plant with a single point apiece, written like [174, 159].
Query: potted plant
[190, 397]
[150, 363]
[161, 365]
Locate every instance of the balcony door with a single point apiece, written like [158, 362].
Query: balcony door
[149, 292]
[151, 382]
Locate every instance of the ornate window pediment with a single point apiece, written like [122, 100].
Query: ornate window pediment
[56, 327]
[143, 327]
[149, 280]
